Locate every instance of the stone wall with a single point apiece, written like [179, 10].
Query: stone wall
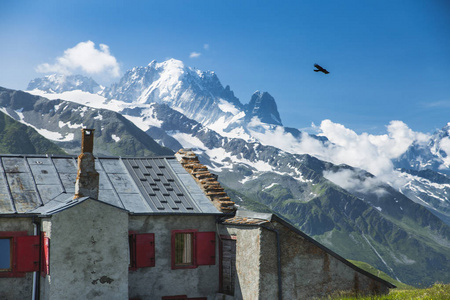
[89, 254]
[248, 260]
[160, 280]
[307, 270]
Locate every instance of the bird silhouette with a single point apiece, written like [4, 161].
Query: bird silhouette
[320, 69]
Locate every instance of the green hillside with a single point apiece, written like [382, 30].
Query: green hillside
[381, 274]
[17, 138]
[437, 292]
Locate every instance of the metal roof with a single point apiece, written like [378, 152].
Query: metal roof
[40, 184]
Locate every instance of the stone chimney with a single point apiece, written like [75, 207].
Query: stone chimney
[87, 177]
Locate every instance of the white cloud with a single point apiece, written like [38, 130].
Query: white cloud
[444, 145]
[86, 58]
[370, 152]
[206, 46]
[352, 181]
[195, 54]
[373, 153]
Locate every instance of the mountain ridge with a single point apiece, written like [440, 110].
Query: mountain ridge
[238, 142]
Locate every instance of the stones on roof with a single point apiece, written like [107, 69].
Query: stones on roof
[206, 180]
[244, 221]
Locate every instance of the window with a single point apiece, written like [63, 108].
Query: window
[184, 249]
[142, 250]
[191, 248]
[5, 254]
[19, 253]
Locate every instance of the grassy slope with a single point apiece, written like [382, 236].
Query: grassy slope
[436, 292]
[17, 138]
[381, 274]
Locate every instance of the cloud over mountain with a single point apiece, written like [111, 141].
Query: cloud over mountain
[86, 58]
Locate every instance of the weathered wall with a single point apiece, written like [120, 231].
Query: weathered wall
[161, 280]
[307, 270]
[89, 254]
[16, 288]
[248, 261]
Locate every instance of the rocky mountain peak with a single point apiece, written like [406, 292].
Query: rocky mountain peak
[197, 94]
[58, 83]
[263, 106]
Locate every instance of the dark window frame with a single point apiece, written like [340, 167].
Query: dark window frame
[193, 263]
[12, 236]
[203, 248]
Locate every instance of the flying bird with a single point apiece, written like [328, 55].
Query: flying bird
[320, 69]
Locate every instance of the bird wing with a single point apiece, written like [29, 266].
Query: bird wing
[320, 69]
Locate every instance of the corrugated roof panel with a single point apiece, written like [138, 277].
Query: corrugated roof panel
[66, 165]
[39, 161]
[114, 166]
[198, 196]
[68, 180]
[14, 164]
[139, 185]
[104, 183]
[110, 197]
[98, 165]
[25, 200]
[20, 182]
[135, 203]
[49, 192]
[6, 205]
[44, 174]
[123, 183]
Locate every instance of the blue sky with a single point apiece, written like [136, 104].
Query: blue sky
[388, 60]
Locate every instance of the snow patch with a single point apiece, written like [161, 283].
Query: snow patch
[115, 138]
[226, 106]
[270, 186]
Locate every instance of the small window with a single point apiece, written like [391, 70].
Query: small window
[19, 253]
[5, 254]
[191, 248]
[184, 249]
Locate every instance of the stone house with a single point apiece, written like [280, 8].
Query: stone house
[150, 228]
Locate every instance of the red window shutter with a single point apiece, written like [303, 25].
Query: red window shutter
[27, 253]
[145, 250]
[206, 248]
[45, 256]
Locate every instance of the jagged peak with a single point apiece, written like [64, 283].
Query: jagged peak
[263, 105]
[54, 83]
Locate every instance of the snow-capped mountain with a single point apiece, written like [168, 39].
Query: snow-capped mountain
[263, 106]
[63, 83]
[198, 95]
[434, 156]
[267, 166]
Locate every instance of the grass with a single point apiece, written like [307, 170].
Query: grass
[381, 274]
[438, 291]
